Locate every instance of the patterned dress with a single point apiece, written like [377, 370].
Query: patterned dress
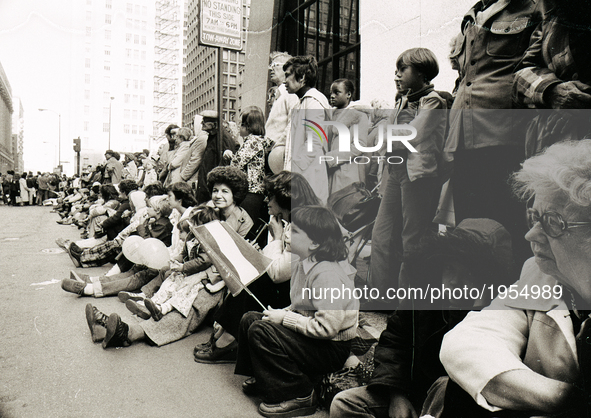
[250, 158]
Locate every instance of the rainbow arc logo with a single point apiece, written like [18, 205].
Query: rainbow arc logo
[316, 125]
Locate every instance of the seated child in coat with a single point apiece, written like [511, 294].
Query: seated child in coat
[179, 290]
[288, 350]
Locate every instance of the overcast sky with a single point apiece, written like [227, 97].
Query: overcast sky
[35, 52]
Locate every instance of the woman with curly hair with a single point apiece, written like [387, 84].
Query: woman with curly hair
[285, 191]
[228, 187]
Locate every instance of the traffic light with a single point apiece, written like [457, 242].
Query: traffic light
[77, 144]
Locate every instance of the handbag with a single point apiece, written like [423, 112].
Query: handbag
[355, 206]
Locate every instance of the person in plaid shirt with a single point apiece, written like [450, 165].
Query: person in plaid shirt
[555, 73]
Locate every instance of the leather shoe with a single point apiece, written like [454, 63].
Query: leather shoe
[97, 323]
[73, 286]
[249, 387]
[216, 355]
[293, 408]
[117, 332]
[206, 345]
[80, 277]
[154, 309]
[74, 254]
[138, 309]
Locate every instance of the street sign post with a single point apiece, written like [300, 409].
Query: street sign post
[221, 23]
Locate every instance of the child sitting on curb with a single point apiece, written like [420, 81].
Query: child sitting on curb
[287, 350]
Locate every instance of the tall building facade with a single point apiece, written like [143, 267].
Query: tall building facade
[18, 133]
[201, 84]
[7, 147]
[132, 74]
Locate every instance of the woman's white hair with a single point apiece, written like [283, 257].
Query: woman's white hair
[563, 170]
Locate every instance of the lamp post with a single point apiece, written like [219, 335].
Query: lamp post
[59, 137]
[110, 103]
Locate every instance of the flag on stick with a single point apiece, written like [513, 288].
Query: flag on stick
[238, 263]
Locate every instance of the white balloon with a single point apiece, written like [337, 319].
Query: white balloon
[131, 249]
[154, 253]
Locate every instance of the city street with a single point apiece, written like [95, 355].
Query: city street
[49, 366]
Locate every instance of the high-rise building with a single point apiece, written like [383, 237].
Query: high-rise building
[200, 87]
[7, 149]
[18, 127]
[132, 75]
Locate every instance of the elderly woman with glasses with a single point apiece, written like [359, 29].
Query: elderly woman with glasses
[530, 350]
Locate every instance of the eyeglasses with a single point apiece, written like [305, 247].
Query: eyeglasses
[552, 222]
[274, 65]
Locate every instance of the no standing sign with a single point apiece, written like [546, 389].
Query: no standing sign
[221, 23]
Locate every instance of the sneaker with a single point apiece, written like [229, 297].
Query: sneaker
[297, 407]
[216, 355]
[117, 332]
[125, 296]
[73, 286]
[154, 309]
[80, 277]
[97, 323]
[138, 309]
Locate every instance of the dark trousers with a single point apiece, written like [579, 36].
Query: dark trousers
[270, 294]
[481, 189]
[254, 204]
[405, 215]
[286, 364]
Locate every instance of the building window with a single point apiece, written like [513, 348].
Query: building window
[136, 39]
[106, 127]
[86, 110]
[126, 113]
[107, 52]
[108, 35]
[134, 129]
[86, 126]
[129, 8]
[127, 83]
[143, 55]
[144, 10]
[142, 100]
[87, 94]
[136, 84]
[134, 115]
[107, 66]
[126, 98]
[87, 62]
[128, 37]
[108, 19]
[143, 40]
[141, 130]
[126, 129]
[128, 53]
[88, 31]
[108, 4]
[88, 15]
[142, 84]
[86, 78]
[105, 113]
[311, 31]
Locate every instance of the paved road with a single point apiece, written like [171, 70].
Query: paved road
[49, 366]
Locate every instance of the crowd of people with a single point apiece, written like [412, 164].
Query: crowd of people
[272, 179]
